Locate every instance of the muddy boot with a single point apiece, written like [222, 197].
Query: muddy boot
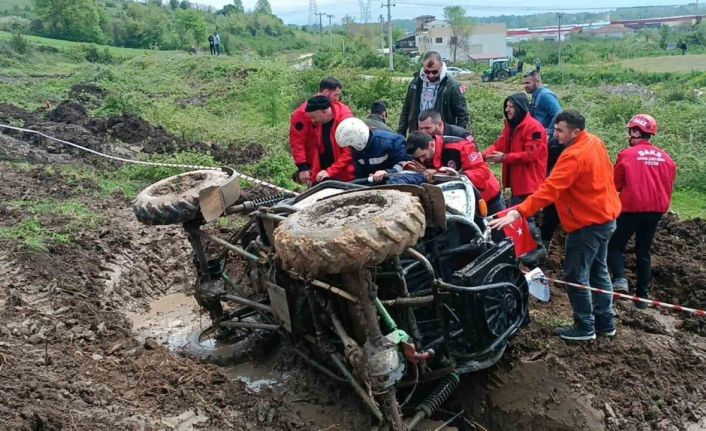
[534, 257]
[620, 285]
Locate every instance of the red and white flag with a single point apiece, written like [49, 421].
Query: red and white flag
[518, 231]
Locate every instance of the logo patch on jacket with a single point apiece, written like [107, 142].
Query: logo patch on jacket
[462, 89]
[536, 135]
[473, 156]
[451, 164]
[299, 125]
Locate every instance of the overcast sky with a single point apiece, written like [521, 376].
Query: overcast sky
[297, 11]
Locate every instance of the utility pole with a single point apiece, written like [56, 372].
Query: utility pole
[321, 27]
[561, 17]
[330, 28]
[382, 33]
[389, 6]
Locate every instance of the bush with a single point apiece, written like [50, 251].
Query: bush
[19, 43]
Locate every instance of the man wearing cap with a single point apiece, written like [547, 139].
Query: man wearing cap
[302, 132]
[324, 157]
[377, 120]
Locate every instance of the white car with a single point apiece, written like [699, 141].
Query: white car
[458, 72]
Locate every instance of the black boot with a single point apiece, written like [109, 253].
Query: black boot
[534, 257]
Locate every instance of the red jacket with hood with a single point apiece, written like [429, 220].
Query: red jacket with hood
[644, 177]
[524, 143]
[307, 145]
[463, 155]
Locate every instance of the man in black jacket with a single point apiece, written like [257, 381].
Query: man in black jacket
[434, 89]
[430, 122]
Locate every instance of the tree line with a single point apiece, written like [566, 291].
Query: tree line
[155, 24]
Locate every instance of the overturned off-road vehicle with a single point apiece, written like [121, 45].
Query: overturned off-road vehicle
[394, 290]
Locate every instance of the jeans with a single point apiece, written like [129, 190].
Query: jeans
[585, 264]
[644, 226]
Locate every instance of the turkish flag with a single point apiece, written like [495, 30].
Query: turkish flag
[519, 232]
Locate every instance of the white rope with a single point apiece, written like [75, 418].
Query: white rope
[142, 162]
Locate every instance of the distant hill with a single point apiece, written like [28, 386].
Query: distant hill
[550, 18]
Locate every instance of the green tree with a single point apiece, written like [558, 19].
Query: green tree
[461, 28]
[184, 4]
[191, 26]
[77, 20]
[663, 35]
[157, 3]
[263, 7]
[238, 6]
[173, 4]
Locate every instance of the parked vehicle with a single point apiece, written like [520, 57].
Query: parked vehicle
[393, 290]
[499, 70]
[459, 72]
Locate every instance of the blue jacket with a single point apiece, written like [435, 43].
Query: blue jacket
[544, 108]
[385, 151]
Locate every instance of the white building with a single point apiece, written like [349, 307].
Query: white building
[486, 41]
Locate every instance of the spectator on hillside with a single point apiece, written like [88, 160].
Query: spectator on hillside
[211, 45]
[520, 66]
[217, 43]
[682, 45]
[644, 177]
[432, 88]
[522, 150]
[430, 121]
[581, 185]
[537, 64]
[304, 136]
[544, 107]
[377, 119]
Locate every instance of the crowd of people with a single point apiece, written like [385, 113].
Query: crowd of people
[550, 164]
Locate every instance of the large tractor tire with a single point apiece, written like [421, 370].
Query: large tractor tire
[350, 231]
[175, 199]
[502, 75]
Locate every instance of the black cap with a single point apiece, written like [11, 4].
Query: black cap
[317, 103]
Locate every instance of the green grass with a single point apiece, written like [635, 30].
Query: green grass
[8, 5]
[68, 218]
[66, 45]
[689, 204]
[687, 63]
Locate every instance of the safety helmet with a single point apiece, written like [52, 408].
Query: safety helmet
[352, 132]
[644, 122]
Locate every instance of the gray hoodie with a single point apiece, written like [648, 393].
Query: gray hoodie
[430, 89]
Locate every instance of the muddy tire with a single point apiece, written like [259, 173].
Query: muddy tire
[175, 199]
[350, 231]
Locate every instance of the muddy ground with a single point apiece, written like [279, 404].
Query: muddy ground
[70, 357]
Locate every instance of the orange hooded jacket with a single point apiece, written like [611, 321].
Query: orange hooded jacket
[581, 186]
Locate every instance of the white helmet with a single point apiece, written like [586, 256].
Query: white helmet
[352, 132]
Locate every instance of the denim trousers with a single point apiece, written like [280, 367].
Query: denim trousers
[585, 264]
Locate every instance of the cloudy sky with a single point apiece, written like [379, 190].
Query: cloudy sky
[296, 11]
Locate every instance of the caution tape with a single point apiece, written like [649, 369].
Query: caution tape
[142, 162]
[650, 302]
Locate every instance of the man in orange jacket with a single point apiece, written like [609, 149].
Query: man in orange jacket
[325, 157]
[582, 188]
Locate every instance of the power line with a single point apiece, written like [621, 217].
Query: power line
[330, 28]
[487, 7]
[389, 33]
[321, 27]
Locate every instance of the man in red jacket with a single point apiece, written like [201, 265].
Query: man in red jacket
[522, 150]
[302, 133]
[325, 158]
[644, 176]
[454, 154]
[582, 188]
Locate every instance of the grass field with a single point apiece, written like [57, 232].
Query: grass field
[671, 63]
[8, 5]
[65, 45]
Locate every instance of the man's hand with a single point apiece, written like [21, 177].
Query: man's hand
[379, 176]
[413, 165]
[448, 171]
[322, 175]
[496, 157]
[304, 177]
[508, 218]
[429, 175]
